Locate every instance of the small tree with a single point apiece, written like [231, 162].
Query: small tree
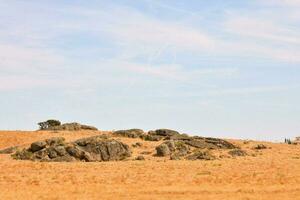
[49, 124]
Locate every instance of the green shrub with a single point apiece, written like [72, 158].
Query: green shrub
[49, 124]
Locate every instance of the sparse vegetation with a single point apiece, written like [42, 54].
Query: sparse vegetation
[49, 124]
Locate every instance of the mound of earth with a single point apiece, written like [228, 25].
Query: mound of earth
[92, 149]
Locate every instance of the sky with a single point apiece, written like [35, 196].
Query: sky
[214, 68]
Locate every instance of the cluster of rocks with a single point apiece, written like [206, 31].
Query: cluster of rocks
[174, 145]
[96, 148]
[179, 146]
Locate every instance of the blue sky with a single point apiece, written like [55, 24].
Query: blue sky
[214, 68]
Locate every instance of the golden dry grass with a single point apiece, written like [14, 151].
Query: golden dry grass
[267, 174]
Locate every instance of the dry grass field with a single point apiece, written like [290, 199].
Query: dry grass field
[272, 173]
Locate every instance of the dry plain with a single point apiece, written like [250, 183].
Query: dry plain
[271, 173]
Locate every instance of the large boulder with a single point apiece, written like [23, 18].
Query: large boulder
[36, 146]
[173, 148]
[162, 150]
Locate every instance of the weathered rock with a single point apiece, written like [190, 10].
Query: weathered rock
[130, 133]
[36, 146]
[60, 150]
[181, 148]
[163, 132]
[85, 141]
[178, 137]
[41, 155]
[201, 155]
[223, 144]
[152, 137]
[55, 141]
[9, 150]
[171, 145]
[75, 152]
[201, 144]
[87, 149]
[162, 150]
[52, 153]
[87, 127]
[237, 152]
[65, 158]
[140, 157]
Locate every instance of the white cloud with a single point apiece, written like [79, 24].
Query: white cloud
[263, 36]
[173, 71]
[133, 29]
[15, 57]
[263, 30]
[292, 3]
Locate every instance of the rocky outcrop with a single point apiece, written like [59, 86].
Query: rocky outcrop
[130, 133]
[92, 149]
[71, 127]
[163, 132]
[173, 148]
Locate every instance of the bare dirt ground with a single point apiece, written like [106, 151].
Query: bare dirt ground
[272, 173]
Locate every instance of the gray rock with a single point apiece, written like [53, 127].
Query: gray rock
[60, 150]
[171, 145]
[55, 141]
[162, 150]
[181, 148]
[153, 137]
[201, 144]
[130, 133]
[223, 144]
[36, 146]
[164, 132]
[65, 158]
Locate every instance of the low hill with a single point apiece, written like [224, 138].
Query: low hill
[246, 170]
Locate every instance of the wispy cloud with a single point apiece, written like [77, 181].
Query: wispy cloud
[261, 29]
